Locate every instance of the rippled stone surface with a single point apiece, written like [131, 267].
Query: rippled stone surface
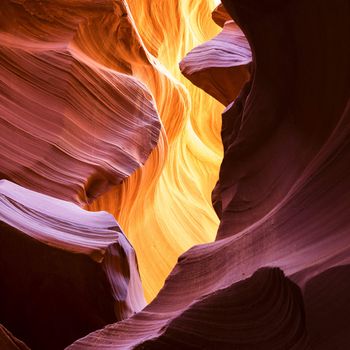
[214, 65]
[174, 186]
[70, 126]
[282, 197]
[276, 277]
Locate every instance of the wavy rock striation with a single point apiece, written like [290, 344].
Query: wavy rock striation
[264, 311]
[282, 195]
[64, 271]
[213, 65]
[77, 118]
[182, 170]
[71, 127]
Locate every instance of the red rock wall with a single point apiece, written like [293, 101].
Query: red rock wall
[282, 196]
[276, 277]
[71, 127]
[64, 271]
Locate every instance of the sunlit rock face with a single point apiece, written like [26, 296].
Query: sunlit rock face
[165, 207]
[78, 83]
[282, 197]
[64, 271]
[9, 342]
[70, 126]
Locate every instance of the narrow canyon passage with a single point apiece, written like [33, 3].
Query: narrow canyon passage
[165, 207]
[174, 175]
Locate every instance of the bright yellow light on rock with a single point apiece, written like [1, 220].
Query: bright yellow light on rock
[165, 207]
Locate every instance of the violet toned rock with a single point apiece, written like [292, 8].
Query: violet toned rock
[282, 196]
[220, 66]
[64, 272]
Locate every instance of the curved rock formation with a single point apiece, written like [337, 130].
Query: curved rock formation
[282, 195]
[278, 132]
[71, 127]
[214, 65]
[9, 342]
[264, 311]
[276, 277]
[174, 187]
[64, 271]
[220, 16]
[71, 68]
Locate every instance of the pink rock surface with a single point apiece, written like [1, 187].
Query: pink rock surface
[282, 196]
[64, 271]
[220, 66]
[70, 127]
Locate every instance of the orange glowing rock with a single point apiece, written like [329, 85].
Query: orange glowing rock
[276, 276]
[94, 60]
[164, 207]
[283, 196]
[220, 16]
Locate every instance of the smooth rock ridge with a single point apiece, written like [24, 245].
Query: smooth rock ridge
[64, 271]
[220, 66]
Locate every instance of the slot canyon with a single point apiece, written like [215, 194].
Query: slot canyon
[175, 174]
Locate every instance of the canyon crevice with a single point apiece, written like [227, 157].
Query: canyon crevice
[213, 142]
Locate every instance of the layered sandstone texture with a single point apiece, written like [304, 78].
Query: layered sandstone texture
[165, 207]
[70, 126]
[276, 276]
[82, 85]
[64, 271]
